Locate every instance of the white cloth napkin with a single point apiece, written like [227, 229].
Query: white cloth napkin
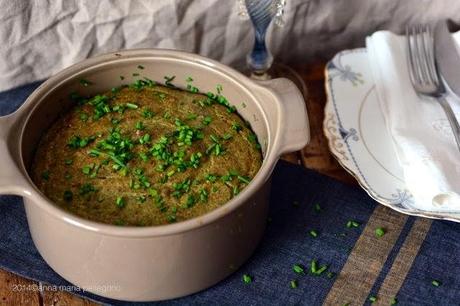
[421, 133]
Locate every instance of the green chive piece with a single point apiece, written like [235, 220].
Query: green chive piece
[236, 126]
[147, 113]
[140, 125]
[313, 266]
[68, 161]
[394, 301]
[247, 279]
[298, 269]
[313, 233]
[317, 208]
[168, 80]
[87, 169]
[244, 179]
[84, 117]
[330, 274]
[352, 223]
[372, 299]
[132, 106]
[46, 175]
[85, 83]
[120, 202]
[321, 270]
[436, 283]
[86, 188]
[207, 120]
[68, 196]
[140, 67]
[294, 284]
[379, 232]
[122, 77]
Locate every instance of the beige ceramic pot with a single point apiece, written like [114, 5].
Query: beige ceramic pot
[162, 262]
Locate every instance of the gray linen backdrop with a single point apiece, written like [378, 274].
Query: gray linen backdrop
[40, 37]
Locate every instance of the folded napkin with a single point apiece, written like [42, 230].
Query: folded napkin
[422, 137]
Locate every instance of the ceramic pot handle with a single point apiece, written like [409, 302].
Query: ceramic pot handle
[12, 180]
[294, 125]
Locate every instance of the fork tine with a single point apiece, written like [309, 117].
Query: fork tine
[422, 57]
[430, 54]
[426, 54]
[410, 56]
[417, 70]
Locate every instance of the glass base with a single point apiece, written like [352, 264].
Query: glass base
[278, 70]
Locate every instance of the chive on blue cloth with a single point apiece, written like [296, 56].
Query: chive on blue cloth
[301, 200]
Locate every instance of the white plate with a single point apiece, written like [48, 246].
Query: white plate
[358, 137]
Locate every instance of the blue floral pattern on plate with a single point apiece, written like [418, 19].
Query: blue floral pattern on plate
[358, 137]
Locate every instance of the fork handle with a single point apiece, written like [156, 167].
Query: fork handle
[452, 120]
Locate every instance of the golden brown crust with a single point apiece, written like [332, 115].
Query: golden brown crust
[56, 177]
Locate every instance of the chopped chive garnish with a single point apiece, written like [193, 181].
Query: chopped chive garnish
[84, 117]
[94, 152]
[313, 233]
[77, 142]
[135, 74]
[140, 67]
[86, 188]
[379, 232]
[140, 125]
[436, 283]
[68, 162]
[189, 79]
[68, 196]
[87, 169]
[394, 301]
[247, 279]
[85, 82]
[219, 88]
[352, 223]
[207, 120]
[120, 202]
[227, 136]
[317, 208]
[46, 175]
[293, 284]
[244, 179]
[146, 113]
[321, 270]
[168, 80]
[298, 269]
[132, 106]
[372, 299]
[330, 274]
[236, 126]
[122, 77]
[313, 266]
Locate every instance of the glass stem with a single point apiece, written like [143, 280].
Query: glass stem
[260, 58]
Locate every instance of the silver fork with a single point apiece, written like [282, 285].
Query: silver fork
[424, 74]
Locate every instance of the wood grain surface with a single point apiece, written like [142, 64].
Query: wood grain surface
[15, 290]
